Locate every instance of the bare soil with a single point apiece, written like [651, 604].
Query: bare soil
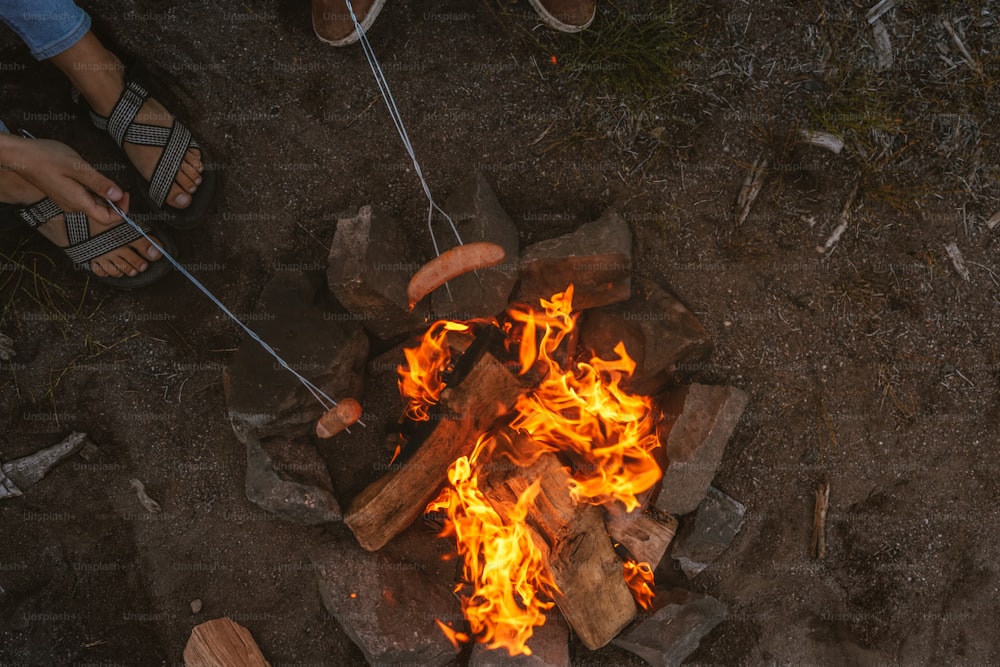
[874, 365]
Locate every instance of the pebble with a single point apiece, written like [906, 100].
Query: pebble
[195, 605]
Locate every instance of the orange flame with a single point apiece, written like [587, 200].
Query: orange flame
[420, 379]
[507, 569]
[639, 577]
[607, 433]
[582, 413]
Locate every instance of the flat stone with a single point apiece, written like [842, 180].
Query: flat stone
[659, 332]
[549, 646]
[697, 437]
[295, 492]
[596, 259]
[369, 266]
[477, 213]
[299, 319]
[668, 636]
[387, 607]
[707, 533]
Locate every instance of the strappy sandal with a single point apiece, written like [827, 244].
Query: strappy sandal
[174, 140]
[83, 247]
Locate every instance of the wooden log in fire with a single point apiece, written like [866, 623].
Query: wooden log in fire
[644, 537]
[593, 597]
[391, 503]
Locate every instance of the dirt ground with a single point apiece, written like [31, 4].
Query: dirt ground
[874, 365]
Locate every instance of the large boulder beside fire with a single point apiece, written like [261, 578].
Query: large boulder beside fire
[596, 259]
[370, 264]
[673, 632]
[298, 318]
[388, 607]
[659, 332]
[477, 213]
[700, 420]
[288, 478]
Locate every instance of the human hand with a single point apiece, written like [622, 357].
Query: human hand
[64, 176]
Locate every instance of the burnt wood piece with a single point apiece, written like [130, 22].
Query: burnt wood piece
[391, 503]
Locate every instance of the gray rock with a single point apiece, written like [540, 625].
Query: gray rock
[370, 265]
[387, 607]
[549, 646]
[668, 636]
[696, 441]
[294, 492]
[659, 333]
[477, 213]
[596, 259]
[708, 532]
[298, 319]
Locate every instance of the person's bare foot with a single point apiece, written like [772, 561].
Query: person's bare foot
[128, 260]
[100, 77]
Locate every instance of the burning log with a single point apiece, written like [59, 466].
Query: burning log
[391, 503]
[593, 595]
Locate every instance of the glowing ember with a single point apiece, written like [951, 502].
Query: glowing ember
[582, 414]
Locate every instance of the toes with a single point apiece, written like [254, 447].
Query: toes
[193, 157]
[108, 267]
[181, 199]
[192, 173]
[97, 269]
[184, 180]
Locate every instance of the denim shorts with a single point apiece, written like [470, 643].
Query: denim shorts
[48, 27]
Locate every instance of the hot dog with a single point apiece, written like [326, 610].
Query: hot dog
[450, 264]
[347, 412]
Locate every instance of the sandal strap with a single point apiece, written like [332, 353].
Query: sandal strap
[40, 212]
[175, 140]
[82, 246]
[95, 246]
[170, 162]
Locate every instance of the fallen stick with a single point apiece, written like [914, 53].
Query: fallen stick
[875, 13]
[752, 186]
[845, 216]
[818, 547]
[957, 260]
[969, 60]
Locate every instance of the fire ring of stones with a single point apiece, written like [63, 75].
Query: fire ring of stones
[539, 427]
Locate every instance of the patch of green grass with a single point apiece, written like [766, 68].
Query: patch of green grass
[624, 70]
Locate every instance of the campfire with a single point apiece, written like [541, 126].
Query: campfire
[552, 449]
[598, 442]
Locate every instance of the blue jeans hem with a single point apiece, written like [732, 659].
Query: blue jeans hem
[64, 42]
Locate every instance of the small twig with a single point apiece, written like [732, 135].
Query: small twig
[752, 186]
[957, 260]
[969, 60]
[876, 12]
[819, 520]
[147, 502]
[845, 216]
